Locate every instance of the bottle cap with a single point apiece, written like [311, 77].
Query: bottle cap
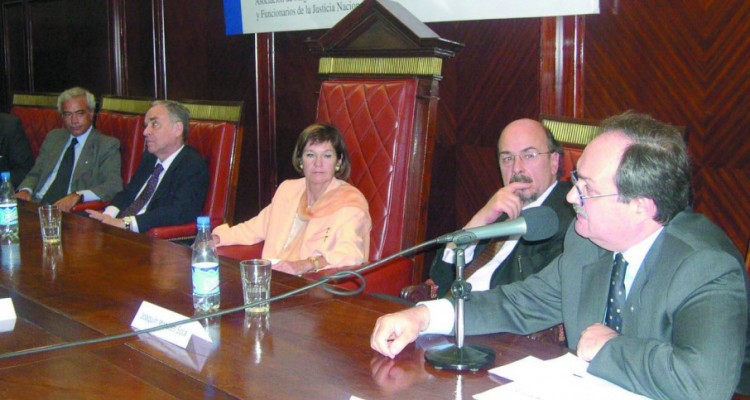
[5, 175]
[204, 221]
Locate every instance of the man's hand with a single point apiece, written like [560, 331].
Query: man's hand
[505, 201]
[593, 339]
[393, 332]
[67, 202]
[107, 219]
[23, 195]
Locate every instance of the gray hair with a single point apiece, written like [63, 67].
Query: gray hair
[177, 113]
[76, 92]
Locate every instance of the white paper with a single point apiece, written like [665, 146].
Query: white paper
[7, 315]
[150, 315]
[564, 377]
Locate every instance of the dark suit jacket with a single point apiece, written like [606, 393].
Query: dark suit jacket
[526, 258]
[97, 168]
[684, 329]
[180, 195]
[15, 150]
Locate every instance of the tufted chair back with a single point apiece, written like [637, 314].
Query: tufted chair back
[375, 118]
[216, 132]
[38, 114]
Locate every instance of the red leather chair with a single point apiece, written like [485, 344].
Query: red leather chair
[38, 114]
[573, 134]
[375, 118]
[216, 132]
[122, 118]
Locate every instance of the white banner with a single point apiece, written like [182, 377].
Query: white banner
[254, 16]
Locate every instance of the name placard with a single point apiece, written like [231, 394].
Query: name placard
[150, 315]
[7, 315]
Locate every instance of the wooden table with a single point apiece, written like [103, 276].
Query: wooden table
[312, 346]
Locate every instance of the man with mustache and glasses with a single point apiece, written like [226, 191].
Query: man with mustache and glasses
[530, 165]
[652, 295]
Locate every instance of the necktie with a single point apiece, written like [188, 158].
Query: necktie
[484, 257]
[617, 298]
[59, 187]
[145, 195]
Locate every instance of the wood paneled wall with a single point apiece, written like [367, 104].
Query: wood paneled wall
[684, 61]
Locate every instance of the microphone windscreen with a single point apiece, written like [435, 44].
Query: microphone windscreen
[541, 223]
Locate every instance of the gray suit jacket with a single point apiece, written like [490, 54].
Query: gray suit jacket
[685, 324]
[97, 168]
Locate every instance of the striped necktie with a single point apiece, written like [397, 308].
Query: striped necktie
[145, 195]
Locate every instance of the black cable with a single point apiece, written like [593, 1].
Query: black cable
[324, 279]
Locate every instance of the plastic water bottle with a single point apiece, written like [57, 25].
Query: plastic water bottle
[206, 294]
[9, 244]
[8, 206]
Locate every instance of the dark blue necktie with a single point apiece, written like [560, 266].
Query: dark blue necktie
[145, 195]
[59, 187]
[617, 297]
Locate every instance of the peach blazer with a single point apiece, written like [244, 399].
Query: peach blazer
[343, 237]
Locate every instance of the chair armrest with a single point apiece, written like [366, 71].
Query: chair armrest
[173, 232]
[241, 252]
[90, 205]
[422, 292]
[388, 278]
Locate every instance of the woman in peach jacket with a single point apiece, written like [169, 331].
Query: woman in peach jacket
[315, 222]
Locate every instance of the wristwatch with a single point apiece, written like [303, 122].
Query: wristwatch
[127, 221]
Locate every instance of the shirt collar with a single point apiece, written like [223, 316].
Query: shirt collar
[168, 161]
[636, 254]
[82, 138]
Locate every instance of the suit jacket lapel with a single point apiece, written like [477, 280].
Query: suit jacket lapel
[162, 188]
[594, 290]
[82, 163]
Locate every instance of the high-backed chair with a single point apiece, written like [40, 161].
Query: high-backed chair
[38, 114]
[573, 135]
[123, 118]
[375, 118]
[216, 132]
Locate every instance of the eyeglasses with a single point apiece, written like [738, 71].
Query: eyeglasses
[574, 178]
[528, 156]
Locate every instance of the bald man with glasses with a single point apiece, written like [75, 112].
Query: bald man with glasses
[530, 165]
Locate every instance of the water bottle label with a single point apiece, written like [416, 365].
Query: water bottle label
[205, 279]
[8, 214]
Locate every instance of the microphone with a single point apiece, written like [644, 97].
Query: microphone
[537, 223]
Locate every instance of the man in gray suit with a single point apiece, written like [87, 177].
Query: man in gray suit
[681, 332]
[77, 163]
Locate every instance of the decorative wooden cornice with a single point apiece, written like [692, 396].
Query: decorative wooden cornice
[381, 37]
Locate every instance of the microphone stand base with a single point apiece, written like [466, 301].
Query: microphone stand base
[471, 357]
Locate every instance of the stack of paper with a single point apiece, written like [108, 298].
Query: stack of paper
[560, 378]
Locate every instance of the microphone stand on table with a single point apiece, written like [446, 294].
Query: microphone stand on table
[458, 356]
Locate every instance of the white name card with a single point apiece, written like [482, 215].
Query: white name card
[150, 315]
[7, 315]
